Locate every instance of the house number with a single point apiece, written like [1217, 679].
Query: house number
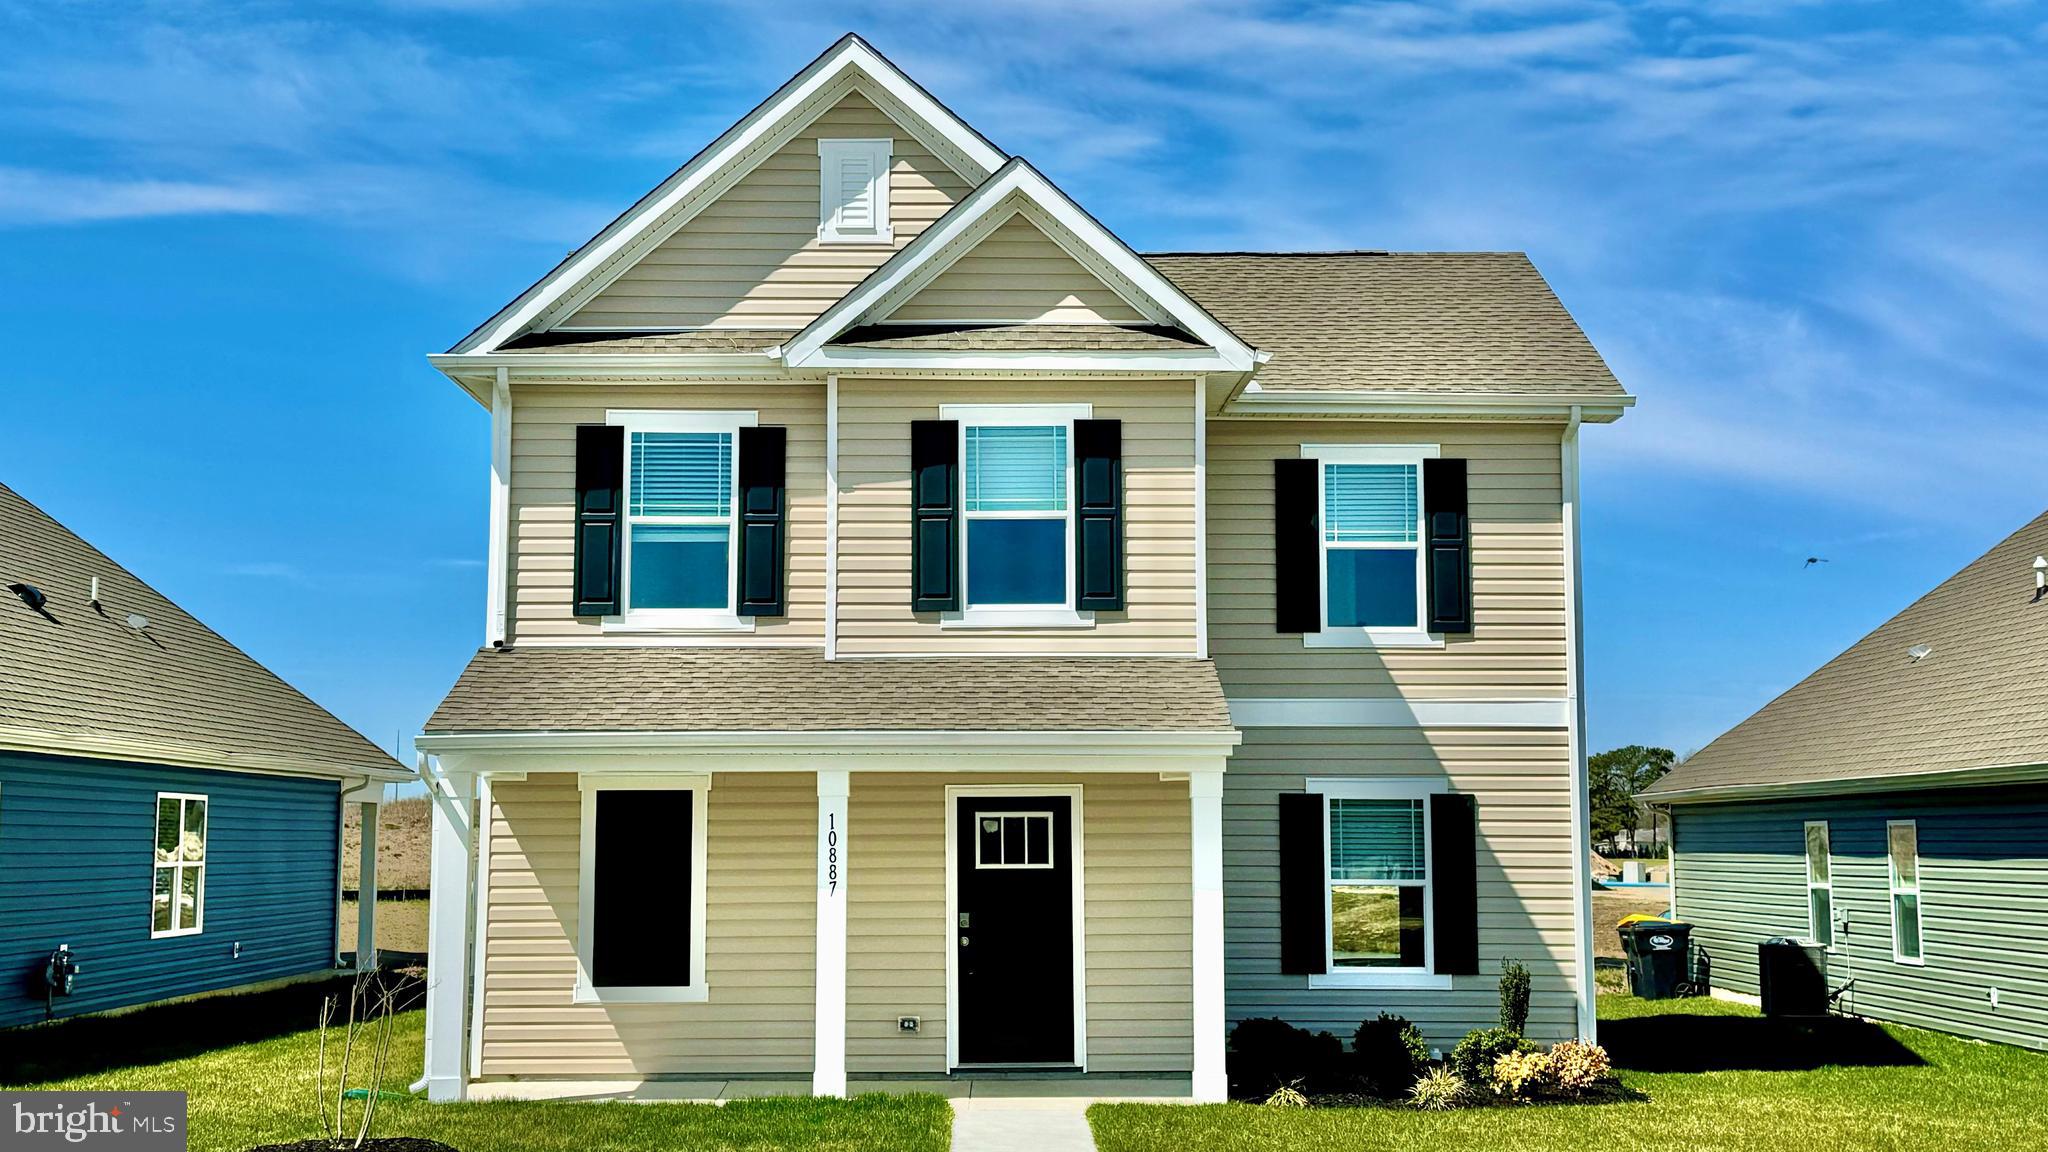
[831, 854]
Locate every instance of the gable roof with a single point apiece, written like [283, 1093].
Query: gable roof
[1018, 187]
[850, 62]
[1875, 715]
[82, 682]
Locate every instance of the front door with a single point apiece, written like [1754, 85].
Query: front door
[1014, 930]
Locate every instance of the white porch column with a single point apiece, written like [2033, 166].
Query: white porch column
[448, 914]
[1205, 801]
[366, 890]
[828, 1076]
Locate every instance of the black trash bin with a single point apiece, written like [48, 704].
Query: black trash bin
[1657, 951]
[1792, 977]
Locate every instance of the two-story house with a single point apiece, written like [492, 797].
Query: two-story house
[926, 636]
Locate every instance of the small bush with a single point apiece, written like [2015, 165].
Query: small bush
[1267, 1053]
[1389, 1054]
[1287, 1098]
[1474, 1057]
[1577, 1067]
[1520, 1075]
[1439, 1090]
[1514, 996]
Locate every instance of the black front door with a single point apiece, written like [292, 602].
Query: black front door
[1015, 930]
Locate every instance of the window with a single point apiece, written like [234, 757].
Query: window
[177, 903]
[1377, 848]
[1016, 508]
[1902, 843]
[641, 890]
[1370, 519]
[1820, 892]
[681, 489]
[853, 191]
[1013, 840]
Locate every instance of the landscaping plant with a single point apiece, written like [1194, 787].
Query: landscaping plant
[1389, 1053]
[1514, 996]
[363, 1054]
[1267, 1053]
[1474, 1057]
[1286, 1097]
[1520, 1075]
[1438, 1090]
[1577, 1067]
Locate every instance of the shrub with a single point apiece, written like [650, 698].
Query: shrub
[1267, 1053]
[1474, 1057]
[1389, 1054]
[1439, 1090]
[1514, 996]
[1520, 1075]
[1577, 1066]
[1287, 1098]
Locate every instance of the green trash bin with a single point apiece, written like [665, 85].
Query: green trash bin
[1657, 952]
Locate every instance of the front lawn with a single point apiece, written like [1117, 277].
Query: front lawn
[1717, 1076]
[249, 1072]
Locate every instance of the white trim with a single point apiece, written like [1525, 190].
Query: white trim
[834, 152]
[1210, 1082]
[668, 620]
[1575, 738]
[1100, 251]
[849, 60]
[1254, 402]
[1092, 747]
[496, 583]
[1893, 890]
[1064, 614]
[999, 616]
[1003, 842]
[1375, 636]
[1418, 789]
[1372, 454]
[180, 866]
[828, 1070]
[1201, 521]
[1075, 830]
[366, 885]
[1370, 637]
[698, 989]
[448, 931]
[832, 517]
[1096, 361]
[1814, 927]
[480, 932]
[1398, 712]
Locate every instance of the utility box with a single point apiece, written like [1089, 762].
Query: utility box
[1792, 977]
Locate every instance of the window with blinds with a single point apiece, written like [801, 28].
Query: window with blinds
[1379, 872]
[1014, 500]
[679, 504]
[853, 191]
[1372, 556]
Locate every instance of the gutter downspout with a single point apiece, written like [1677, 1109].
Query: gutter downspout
[1582, 832]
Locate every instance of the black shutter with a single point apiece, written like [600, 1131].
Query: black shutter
[600, 527]
[1449, 526]
[1454, 882]
[1297, 560]
[934, 515]
[1304, 888]
[1099, 515]
[764, 497]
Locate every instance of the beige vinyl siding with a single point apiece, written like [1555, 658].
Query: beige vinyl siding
[752, 259]
[1518, 646]
[1521, 781]
[874, 517]
[544, 420]
[1138, 923]
[759, 954]
[1015, 275]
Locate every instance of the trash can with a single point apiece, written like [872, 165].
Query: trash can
[1792, 977]
[1657, 951]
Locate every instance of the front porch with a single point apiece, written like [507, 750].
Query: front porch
[1094, 1089]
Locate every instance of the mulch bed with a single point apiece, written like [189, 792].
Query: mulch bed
[380, 1144]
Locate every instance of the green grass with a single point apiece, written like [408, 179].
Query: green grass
[1717, 1077]
[255, 1085]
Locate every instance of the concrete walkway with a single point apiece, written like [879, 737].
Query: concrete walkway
[1022, 1124]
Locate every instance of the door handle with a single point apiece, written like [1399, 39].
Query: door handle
[963, 941]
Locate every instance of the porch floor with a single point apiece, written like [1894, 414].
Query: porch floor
[989, 1090]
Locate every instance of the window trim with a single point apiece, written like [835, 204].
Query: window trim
[198, 925]
[970, 615]
[1052, 851]
[699, 989]
[630, 619]
[830, 152]
[1893, 890]
[1828, 885]
[1418, 636]
[1381, 788]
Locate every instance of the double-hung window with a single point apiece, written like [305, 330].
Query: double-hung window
[1820, 891]
[641, 897]
[1377, 847]
[1369, 522]
[680, 563]
[1902, 845]
[178, 891]
[1017, 513]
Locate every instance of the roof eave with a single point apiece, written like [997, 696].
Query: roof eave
[93, 747]
[1979, 776]
[1593, 409]
[1119, 742]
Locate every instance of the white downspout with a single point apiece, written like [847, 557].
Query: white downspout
[1574, 663]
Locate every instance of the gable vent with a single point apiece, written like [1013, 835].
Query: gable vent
[853, 191]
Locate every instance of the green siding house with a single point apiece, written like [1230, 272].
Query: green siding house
[1893, 807]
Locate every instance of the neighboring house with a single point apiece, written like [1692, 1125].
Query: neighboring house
[170, 811]
[886, 565]
[1893, 806]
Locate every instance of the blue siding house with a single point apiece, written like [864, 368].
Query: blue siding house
[170, 811]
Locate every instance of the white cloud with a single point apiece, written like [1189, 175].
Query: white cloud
[28, 196]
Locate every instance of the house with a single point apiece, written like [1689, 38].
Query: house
[925, 636]
[170, 811]
[1893, 807]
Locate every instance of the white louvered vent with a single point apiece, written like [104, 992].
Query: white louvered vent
[853, 191]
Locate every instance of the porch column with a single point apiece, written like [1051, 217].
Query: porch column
[366, 889]
[1205, 799]
[448, 913]
[828, 1075]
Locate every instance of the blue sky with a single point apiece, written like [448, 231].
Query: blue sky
[1810, 238]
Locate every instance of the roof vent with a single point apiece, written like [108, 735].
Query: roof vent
[2040, 576]
[138, 621]
[1920, 651]
[30, 595]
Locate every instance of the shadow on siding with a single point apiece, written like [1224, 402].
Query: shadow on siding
[1749, 1044]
